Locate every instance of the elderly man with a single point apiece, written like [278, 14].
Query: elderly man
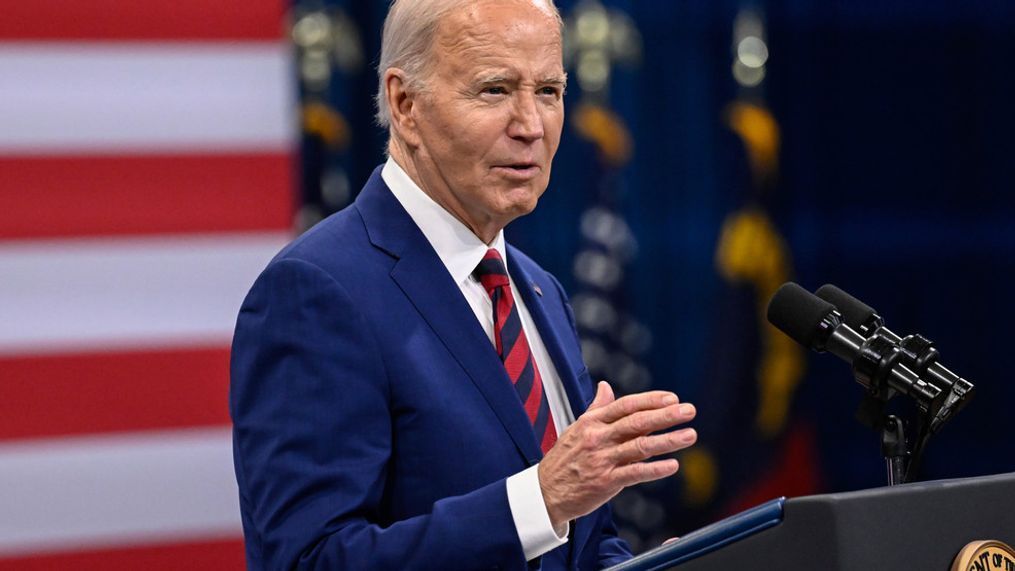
[404, 384]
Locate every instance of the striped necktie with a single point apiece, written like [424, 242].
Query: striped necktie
[513, 348]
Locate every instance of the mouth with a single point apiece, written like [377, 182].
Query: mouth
[520, 171]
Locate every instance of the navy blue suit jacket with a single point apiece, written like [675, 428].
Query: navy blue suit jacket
[374, 424]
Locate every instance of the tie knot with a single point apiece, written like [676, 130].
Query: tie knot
[491, 271]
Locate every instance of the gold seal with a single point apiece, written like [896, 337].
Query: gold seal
[989, 555]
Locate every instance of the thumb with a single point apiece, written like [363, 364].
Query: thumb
[604, 395]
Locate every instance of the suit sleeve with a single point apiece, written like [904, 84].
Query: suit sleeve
[612, 549]
[313, 437]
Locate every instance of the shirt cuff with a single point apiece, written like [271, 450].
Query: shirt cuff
[528, 510]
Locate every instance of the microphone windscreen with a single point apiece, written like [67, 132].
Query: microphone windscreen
[798, 313]
[855, 313]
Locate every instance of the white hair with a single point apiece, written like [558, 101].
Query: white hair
[410, 31]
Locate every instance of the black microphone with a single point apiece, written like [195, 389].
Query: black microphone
[919, 353]
[876, 361]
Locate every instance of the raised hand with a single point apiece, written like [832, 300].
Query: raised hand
[606, 450]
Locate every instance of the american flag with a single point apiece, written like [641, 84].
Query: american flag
[146, 176]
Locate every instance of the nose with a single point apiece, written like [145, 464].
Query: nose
[526, 122]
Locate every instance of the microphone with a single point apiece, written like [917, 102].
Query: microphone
[876, 361]
[919, 353]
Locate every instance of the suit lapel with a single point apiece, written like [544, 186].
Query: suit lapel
[548, 328]
[420, 274]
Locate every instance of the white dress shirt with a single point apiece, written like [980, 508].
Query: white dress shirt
[461, 251]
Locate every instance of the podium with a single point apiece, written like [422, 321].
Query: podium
[912, 526]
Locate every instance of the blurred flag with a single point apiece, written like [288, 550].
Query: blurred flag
[751, 447]
[146, 176]
[614, 341]
[331, 64]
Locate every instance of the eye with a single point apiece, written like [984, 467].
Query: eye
[549, 90]
[495, 90]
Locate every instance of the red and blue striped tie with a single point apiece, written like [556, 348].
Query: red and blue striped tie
[513, 348]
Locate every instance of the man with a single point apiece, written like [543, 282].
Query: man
[401, 379]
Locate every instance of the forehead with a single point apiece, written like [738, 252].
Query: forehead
[500, 32]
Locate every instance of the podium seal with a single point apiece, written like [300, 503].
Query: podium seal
[989, 555]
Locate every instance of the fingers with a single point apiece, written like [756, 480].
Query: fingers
[631, 404]
[605, 450]
[604, 395]
[647, 421]
[642, 472]
[645, 447]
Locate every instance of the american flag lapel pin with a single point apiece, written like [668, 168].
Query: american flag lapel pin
[539, 291]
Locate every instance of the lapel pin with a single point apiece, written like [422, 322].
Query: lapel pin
[539, 291]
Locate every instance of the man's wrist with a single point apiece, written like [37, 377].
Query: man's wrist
[560, 525]
[532, 521]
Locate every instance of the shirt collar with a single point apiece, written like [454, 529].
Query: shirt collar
[458, 248]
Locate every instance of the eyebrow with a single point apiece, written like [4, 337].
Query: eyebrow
[549, 80]
[493, 79]
[555, 80]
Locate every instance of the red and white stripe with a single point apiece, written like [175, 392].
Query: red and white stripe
[146, 177]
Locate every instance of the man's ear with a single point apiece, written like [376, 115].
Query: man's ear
[400, 105]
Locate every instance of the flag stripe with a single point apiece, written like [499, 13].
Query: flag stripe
[146, 178]
[105, 195]
[210, 555]
[68, 295]
[132, 20]
[56, 395]
[96, 492]
[81, 98]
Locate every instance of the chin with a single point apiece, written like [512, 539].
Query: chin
[523, 200]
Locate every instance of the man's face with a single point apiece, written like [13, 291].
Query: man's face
[490, 120]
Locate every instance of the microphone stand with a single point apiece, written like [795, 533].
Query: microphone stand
[884, 363]
[894, 449]
[872, 368]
